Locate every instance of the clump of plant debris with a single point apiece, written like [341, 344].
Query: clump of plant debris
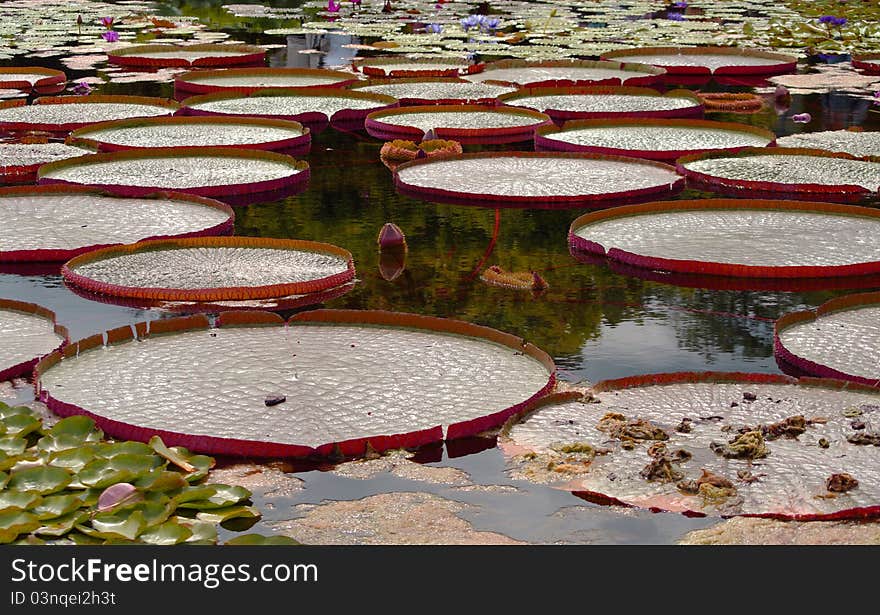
[749, 445]
[841, 483]
[618, 426]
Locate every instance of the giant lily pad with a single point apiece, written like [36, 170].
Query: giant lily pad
[201, 55]
[841, 339]
[19, 162]
[55, 223]
[436, 91]
[27, 332]
[868, 63]
[349, 378]
[206, 171]
[657, 139]
[247, 80]
[251, 133]
[557, 73]
[732, 237]
[462, 123]
[527, 179]
[785, 171]
[313, 106]
[706, 60]
[711, 444]
[596, 102]
[32, 79]
[211, 269]
[416, 67]
[860, 144]
[66, 113]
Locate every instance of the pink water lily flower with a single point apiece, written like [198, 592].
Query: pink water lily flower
[333, 7]
[107, 22]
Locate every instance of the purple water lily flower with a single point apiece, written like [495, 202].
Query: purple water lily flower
[111, 36]
[471, 21]
[434, 28]
[675, 16]
[832, 20]
[490, 24]
[81, 88]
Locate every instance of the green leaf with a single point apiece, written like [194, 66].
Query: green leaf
[203, 465]
[10, 411]
[4, 478]
[74, 459]
[15, 522]
[83, 539]
[115, 525]
[189, 494]
[18, 500]
[219, 515]
[54, 506]
[22, 424]
[70, 432]
[259, 539]
[203, 532]
[112, 449]
[43, 480]
[161, 480]
[13, 445]
[122, 468]
[223, 496]
[168, 533]
[59, 526]
[177, 457]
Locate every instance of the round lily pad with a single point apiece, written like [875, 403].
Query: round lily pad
[462, 123]
[867, 63]
[786, 171]
[66, 113]
[657, 139]
[32, 79]
[717, 444]
[211, 269]
[312, 106]
[735, 237]
[559, 73]
[27, 332]
[563, 104]
[415, 67]
[201, 55]
[19, 162]
[55, 223]
[858, 144]
[215, 171]
[349, 378]
[175, 132]
[247, 80]
[840, 339]
[708, 60]
[436, 91]
[527, 179]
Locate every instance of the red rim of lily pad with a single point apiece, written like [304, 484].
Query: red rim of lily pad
[867, 63]
[306, 117]
[188, 84]
[550, 201]
[26, 367]
[544, 140]
[387, 131]
[164, 103]
[354, 447]
[650, 380]
[784, 356]
[297, 180]
[781, 63]
[133, 56]
[218, 293]
[52, 83]
[643, 74]
[373, 67]
[410, 101]
[563, 115]
[17, 174]
[58, 255]
[83, 137]
[842, 192]
[580, 244]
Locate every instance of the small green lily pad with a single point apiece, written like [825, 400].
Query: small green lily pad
[203, 532]
[161, 480]
[12, 445]
[259, 539]
[115, 525]
[53, 506]
[112, 449]
[18, 500]
[60, 526]
[16, 522]
[4, 478]
[122, 468]
[70, 432]
[168, 533]
[43, 479]
[74, 459]
[219, 515]
[222, 496]
[21, 424]
[177, 457]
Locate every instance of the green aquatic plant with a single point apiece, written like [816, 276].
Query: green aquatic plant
[68, 485]
[827, 26]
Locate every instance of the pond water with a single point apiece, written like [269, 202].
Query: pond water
[595, 323]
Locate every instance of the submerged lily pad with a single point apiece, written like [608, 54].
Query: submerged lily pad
[733, 444]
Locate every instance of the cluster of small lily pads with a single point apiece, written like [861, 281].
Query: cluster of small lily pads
[66, 484]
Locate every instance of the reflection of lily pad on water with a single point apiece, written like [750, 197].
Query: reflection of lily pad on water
[462, 123]
[841, 339]
[543, 179]
[657, 139]
[734, 237]
[19, 162]
[349, 377]
[212, 269]
[27, 332]
[199, 55]
[55, 223]
[606, 102]
[175, 132]
[217, 171]
[554, 73]
[66, 113]
[714, 444]
[705, 60]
